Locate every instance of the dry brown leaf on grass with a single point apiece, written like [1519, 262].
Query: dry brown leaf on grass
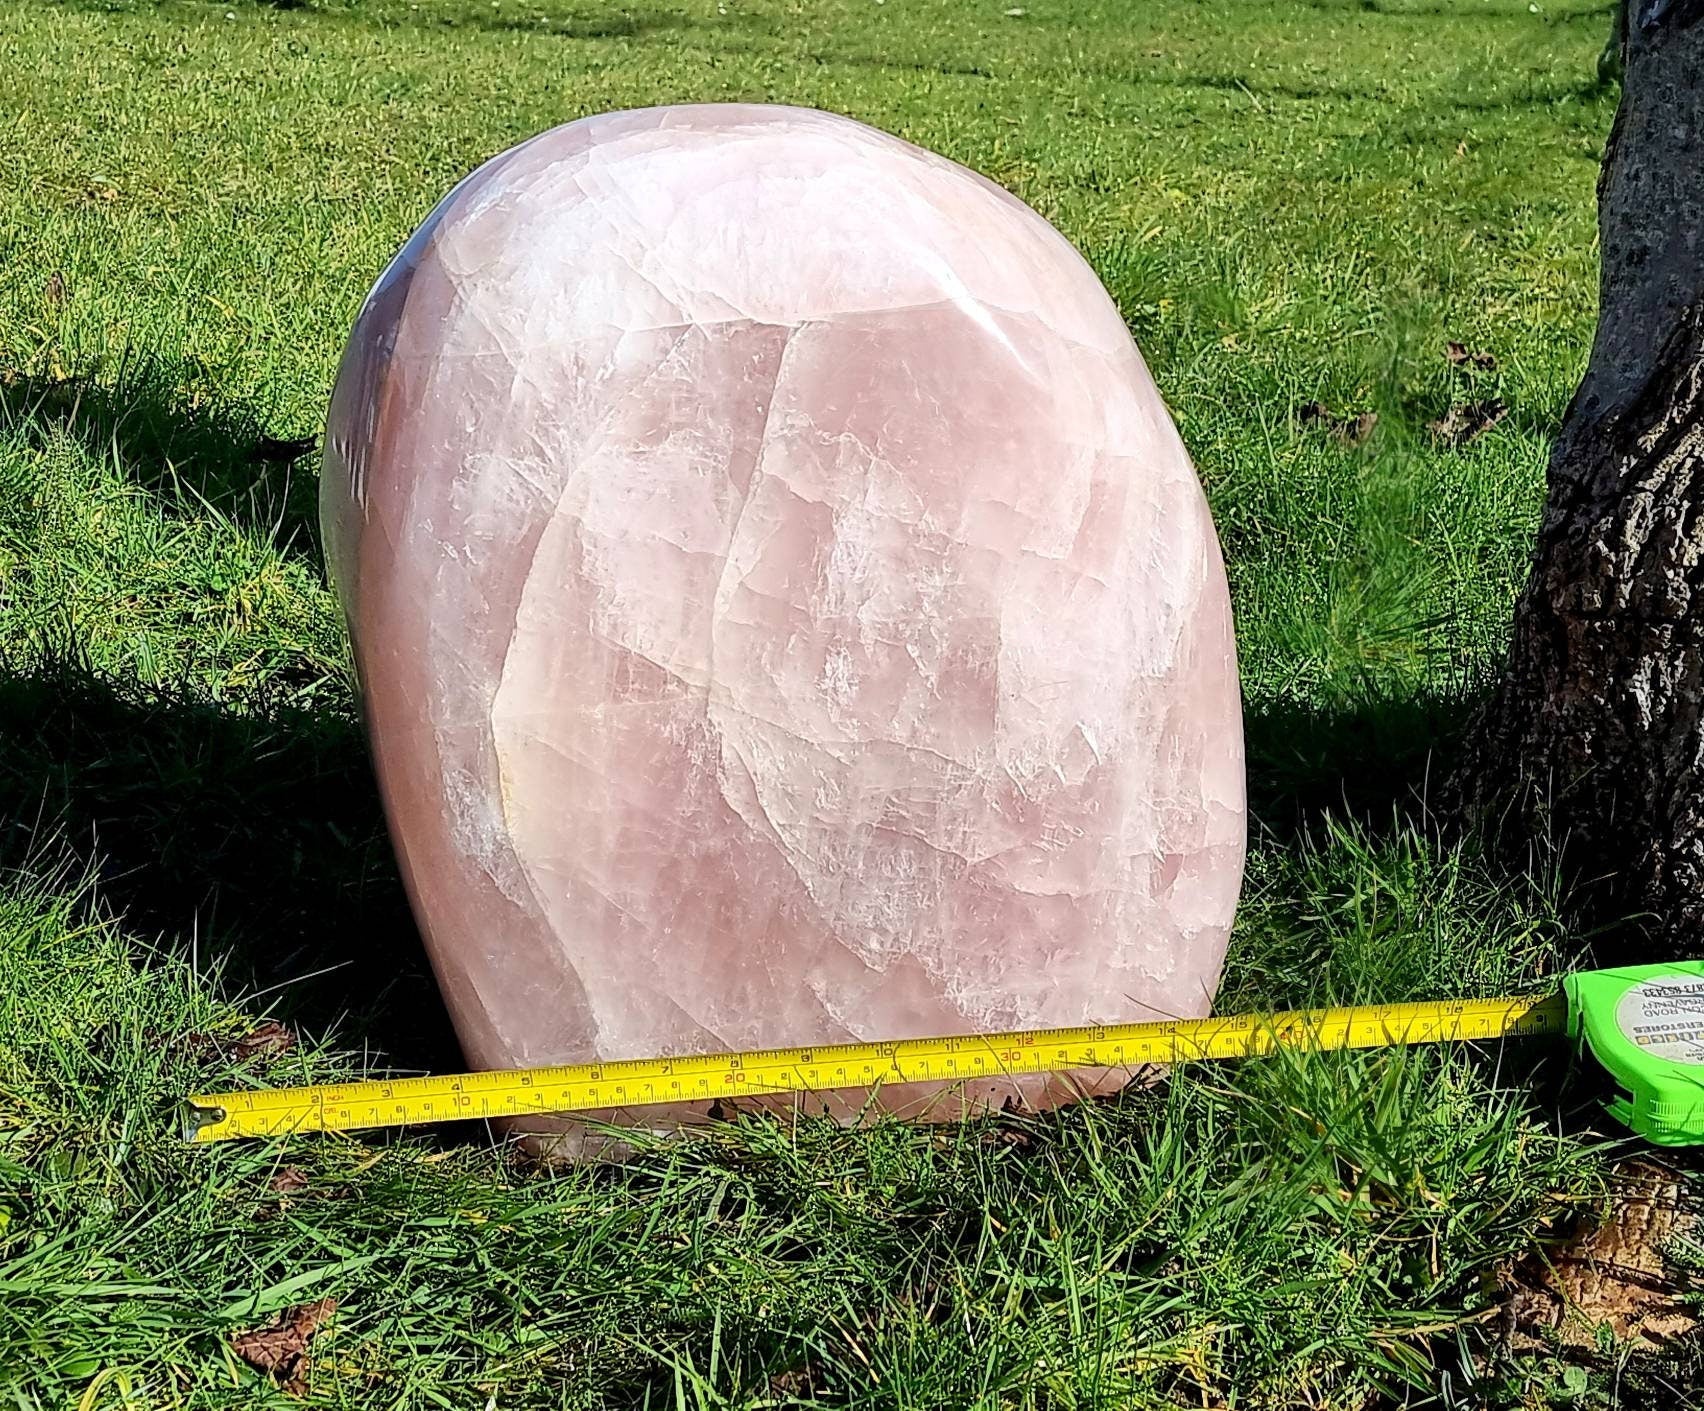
[288, 1181]
[280, 1349]
[190, 1043]
[270, 1040]
[796, 1382]
[288, 1187]
[1347, 430]
[1469, 421]
[1354, 431]
[1612, 1274]
[1008, 1134]
[1459, 356]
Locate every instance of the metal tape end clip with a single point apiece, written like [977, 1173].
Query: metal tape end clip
[198, 1117]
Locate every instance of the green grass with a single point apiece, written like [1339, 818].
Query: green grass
[1291, 202]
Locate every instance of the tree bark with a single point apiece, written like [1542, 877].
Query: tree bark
[1593, 738]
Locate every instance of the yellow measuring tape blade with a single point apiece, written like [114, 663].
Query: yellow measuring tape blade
[636, 1082]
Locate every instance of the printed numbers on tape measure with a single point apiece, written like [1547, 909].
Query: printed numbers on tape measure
[946, 1059]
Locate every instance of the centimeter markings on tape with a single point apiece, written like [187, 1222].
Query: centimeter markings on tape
[637, 1082]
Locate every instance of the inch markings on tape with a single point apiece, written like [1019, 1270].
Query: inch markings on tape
[638, 1082]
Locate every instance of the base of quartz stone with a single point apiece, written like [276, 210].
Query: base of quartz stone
[615, 1134]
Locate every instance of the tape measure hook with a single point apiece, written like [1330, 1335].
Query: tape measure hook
[197, 1117]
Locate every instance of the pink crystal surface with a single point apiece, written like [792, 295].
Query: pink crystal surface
[784, 609]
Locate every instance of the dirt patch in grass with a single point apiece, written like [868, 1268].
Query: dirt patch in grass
[1617, 1273]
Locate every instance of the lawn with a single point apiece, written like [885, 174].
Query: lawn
[1292, 203]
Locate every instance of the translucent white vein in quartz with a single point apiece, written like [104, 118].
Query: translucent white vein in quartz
[785, 611]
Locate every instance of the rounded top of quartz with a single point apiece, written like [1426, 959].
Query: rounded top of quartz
[761, 214]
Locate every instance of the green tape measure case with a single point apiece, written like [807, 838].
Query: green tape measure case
[1644, 1024]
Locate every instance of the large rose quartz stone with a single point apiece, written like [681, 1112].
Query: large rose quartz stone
[784, 609]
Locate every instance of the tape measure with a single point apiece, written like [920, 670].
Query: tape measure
[1644, 1024]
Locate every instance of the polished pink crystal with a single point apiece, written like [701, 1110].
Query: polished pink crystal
[784, 609]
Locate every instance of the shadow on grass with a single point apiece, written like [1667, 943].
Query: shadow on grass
[264, 834]
[728, 35]
[1377, 760]
[1582, 90]
[594, 21]
[1517, 11]
[599, 25]
[261, 831]
[261, 836]
[188, 449]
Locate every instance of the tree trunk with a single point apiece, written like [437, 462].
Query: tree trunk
[1594, 735]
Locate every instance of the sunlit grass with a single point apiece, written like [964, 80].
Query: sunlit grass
[1292, 203]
